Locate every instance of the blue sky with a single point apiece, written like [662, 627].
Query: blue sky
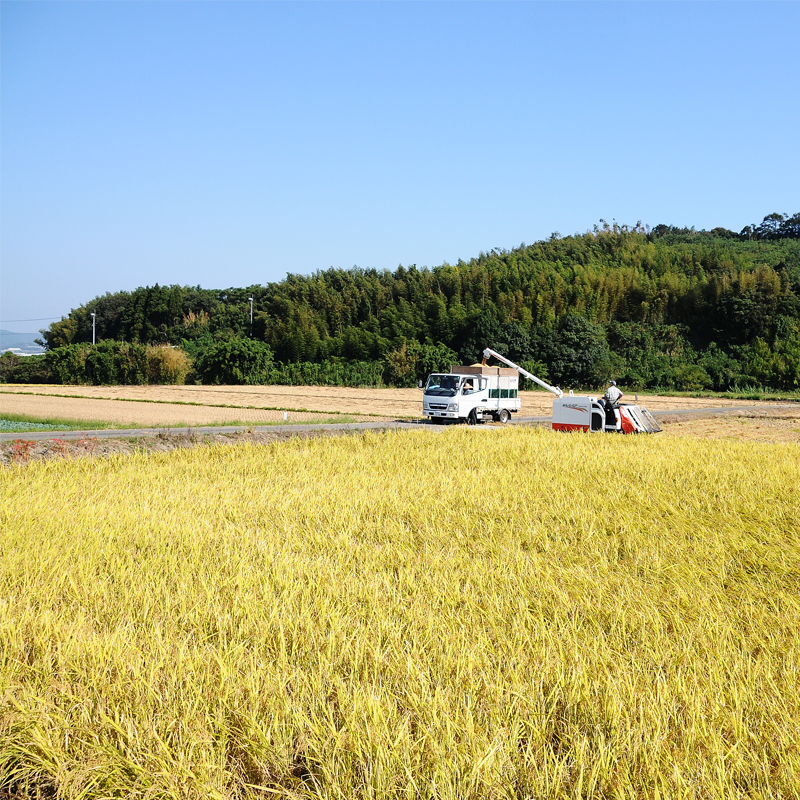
[229, 143]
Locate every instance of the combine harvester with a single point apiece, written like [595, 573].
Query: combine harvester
[585, 413]
[491, 393]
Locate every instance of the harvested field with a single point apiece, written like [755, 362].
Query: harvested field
[760, 424]
[376, 403]
[156, 414]
[255, 403]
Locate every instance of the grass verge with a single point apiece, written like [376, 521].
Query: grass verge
[25, 423]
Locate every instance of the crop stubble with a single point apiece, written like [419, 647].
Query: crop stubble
[103, 402]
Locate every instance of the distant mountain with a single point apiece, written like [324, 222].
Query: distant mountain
[23, 343]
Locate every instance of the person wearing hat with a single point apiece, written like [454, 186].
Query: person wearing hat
[613, 394]
[610, 400]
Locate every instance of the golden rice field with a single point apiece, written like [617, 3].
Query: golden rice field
[484, 613]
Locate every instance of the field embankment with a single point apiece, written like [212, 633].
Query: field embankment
[507, 613]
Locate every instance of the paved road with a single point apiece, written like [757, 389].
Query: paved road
[33, 436]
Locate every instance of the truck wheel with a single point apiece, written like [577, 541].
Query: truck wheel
[504, 415]
[472, 418]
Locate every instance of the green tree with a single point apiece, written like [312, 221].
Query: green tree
[235, 361]
[577, 354]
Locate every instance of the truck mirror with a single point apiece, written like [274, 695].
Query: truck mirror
[419, 384]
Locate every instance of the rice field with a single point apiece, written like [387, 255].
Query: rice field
[504, 613]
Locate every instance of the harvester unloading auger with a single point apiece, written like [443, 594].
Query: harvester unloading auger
[582, 412]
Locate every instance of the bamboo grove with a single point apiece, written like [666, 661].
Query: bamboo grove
[668, 307]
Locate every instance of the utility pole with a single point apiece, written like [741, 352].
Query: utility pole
[93, 316]
[251, 316]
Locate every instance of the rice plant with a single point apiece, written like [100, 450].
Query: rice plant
[481, 613]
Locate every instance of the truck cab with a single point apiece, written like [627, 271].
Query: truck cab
[471, 393]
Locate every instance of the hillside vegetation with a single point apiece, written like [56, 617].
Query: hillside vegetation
[270, 622]
[667, 307]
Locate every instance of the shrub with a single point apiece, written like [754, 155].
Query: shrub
[690, 378]
[537, 368]
[328, 373]
[237, 361]
[413, 361]
[117, 363]
[167, 365]
[110, 363]
[777, 366]
[68, 363]
[25, 369]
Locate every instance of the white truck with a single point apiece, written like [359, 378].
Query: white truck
[471, 393]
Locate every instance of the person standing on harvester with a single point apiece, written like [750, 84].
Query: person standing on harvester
[613, 394]
[610, 400]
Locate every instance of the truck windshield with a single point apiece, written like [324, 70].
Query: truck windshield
[442, 385]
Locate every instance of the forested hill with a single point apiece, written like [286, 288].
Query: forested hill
[664, 307]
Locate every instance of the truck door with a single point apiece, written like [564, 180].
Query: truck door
[471, 392]
[483, 389]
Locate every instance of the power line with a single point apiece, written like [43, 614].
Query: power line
[39, 319]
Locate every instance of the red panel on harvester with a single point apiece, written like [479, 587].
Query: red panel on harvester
[627, 424]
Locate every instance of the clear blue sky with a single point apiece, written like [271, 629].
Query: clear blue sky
[228, 143]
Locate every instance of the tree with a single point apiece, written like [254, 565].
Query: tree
[510, 339]
[576, 354]
[236, 361]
